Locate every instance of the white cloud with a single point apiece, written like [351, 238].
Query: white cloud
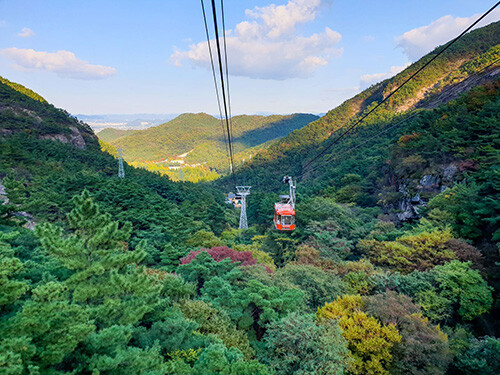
[281, 19]
[268, 47]
[417, 42]
[26, 32]
[367, 80]
[63, 63]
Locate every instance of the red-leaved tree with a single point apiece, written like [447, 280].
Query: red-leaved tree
[223, 252]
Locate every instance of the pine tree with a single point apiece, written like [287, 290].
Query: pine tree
[10, 289]
[216, 218]
[55, 326]
[106, 275]
[171, 256]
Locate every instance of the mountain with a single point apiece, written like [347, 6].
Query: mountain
[134, 121]
[432, 144]
[48, 156]
[199, 136]
[24, 90]
[111, 134]
[467, 64]
[393, 267]
[24, 112]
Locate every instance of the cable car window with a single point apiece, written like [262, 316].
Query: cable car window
[278, 219]
[287, 220]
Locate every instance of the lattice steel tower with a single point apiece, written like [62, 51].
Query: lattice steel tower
[243, 191]
[121, 171]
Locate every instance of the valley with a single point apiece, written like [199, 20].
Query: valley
[393, 266]
[193, 144]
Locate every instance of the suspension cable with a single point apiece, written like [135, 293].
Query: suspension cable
[350, 128]
[214, 13]
[215, 78]
[338, 156]
[227, 69]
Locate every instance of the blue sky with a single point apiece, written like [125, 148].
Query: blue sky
[286, 56]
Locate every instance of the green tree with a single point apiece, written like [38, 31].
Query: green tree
[174, 332]
[472, 213]
[319, 286]
[482, 357]
[296, 344]
[54, 325]
[105, 275]
[204, 268]
[325, 237]
[11, 289]
[217, 359]
[171, 256]
[448, 292]
[108, 352]
[216, 218]
[204, 238]
[214, 321]
[253, 305]
[464, 287]
[175, 288]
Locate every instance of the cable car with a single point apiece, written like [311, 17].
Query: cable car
[284, 211]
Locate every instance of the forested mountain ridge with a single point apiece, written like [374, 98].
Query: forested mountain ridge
[392, 164]
[473, 52]
[142, 275]
[111, 134]
[22, 110]
[22, 89]
[200, 135]
[466, 65]
[49, 156]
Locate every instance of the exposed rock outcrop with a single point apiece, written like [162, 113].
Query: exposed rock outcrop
[3, 194]
[412, 200]
[76, 138]
[29, 220]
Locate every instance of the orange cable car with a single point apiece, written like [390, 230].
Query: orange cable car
[284, 211]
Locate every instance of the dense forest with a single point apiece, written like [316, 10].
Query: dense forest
[110, 134]
[200, 137]
[192, 148]
[393, 268]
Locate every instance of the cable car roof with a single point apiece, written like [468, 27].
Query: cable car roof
[284, 209]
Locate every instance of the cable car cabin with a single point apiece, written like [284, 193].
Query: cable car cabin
[284, 211]
[284, 216]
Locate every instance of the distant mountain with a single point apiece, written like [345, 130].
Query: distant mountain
[136, 121]
[110, 134]
[198, 137]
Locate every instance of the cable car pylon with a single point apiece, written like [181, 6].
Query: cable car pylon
[121, 171]
[243, 191]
